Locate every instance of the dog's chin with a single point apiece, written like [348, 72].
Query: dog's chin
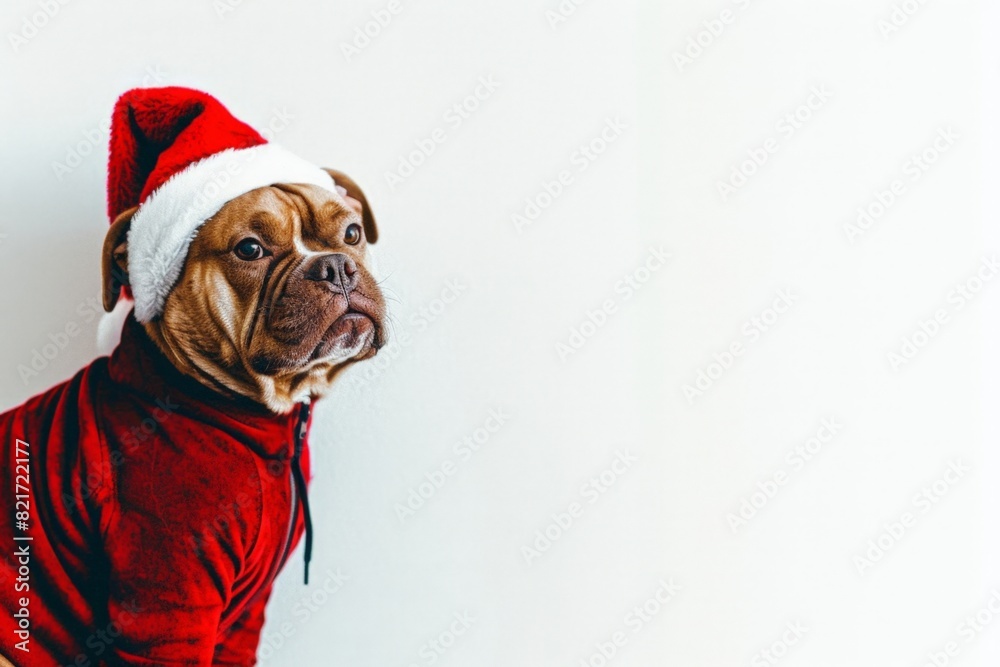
[353, 335]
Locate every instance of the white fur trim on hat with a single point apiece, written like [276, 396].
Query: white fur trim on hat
[165, 224]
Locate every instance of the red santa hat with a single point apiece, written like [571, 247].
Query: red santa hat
[179, 155]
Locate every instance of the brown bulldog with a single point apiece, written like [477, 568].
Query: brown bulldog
[276, 297]
[160, 491]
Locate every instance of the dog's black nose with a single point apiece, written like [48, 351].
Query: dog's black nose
[337, 269]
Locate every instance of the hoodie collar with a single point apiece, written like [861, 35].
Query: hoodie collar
[140, 366]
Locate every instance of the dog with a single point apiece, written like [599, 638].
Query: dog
[158, 493]
[237, 337]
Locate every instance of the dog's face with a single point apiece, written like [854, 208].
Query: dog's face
[276, 296]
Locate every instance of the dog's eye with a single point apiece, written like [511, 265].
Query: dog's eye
[352, 235]
[249, 250]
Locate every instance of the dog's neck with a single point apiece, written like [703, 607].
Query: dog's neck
[230, 377]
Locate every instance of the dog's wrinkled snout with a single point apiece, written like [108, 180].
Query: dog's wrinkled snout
[337, 269]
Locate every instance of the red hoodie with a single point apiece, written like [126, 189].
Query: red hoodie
[157, 514]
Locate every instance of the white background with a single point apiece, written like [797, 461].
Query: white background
[524, 291]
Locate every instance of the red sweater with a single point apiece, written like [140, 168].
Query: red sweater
[158, 512]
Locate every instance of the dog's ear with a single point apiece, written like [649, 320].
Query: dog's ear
[114, 258]
[357, 199]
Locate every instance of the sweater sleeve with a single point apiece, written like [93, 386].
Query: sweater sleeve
[175, 546]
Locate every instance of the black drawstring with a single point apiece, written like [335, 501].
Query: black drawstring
[300, 482]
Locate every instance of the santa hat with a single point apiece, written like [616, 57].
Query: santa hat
[179, 155]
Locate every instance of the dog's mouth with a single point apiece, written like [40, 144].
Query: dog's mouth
[355, 333]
